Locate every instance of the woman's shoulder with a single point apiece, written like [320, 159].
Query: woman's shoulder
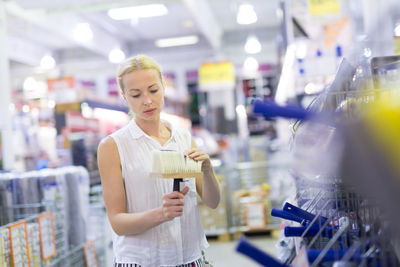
[107, 144]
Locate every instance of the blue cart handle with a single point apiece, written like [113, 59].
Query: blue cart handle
[331, 255]
[312, 231]
[256, 254]
[296, 211]
[286, 215]
[271, 109]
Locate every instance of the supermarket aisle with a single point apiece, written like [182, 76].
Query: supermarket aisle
[223, 254]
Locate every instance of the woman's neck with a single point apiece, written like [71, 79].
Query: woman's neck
[151, 128]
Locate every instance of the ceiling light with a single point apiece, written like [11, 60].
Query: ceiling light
[83, 32]
[177, 41]
[144, 11]
[26, 108]
[252, 45]
[29, 84]
[397, 31]
[47, 62]
[188, 24]
[246, 14]
[250, 64]
[116, 55]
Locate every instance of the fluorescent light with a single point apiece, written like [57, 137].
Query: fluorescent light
[177, 41]
[246, 14]
[250, 64]
[47, 62]
[83, 32]
[143, 11]
[252, 45]
[116, 55]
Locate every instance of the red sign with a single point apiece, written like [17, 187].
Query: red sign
[76, 122]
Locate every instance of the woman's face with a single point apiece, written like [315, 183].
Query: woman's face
[144, 93]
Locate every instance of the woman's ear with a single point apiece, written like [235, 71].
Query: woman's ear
[163, 84]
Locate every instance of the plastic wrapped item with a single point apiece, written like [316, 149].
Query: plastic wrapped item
[6, 198]
[77, 181]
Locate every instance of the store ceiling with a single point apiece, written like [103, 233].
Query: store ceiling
[41, 27]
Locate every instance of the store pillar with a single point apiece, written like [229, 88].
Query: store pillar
[378, 26]
[5, 97]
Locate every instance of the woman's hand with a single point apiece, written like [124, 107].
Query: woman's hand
[173, 204]
[199, 155]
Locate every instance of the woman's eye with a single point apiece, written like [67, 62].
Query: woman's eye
[135, 96]
[154, 91]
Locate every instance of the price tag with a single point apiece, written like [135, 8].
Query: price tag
[19, 244]
[90, 254]
[255, 215]
[4, 248]
[47, 235]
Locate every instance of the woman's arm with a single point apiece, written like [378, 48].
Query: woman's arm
[124, 223]
[208, 186]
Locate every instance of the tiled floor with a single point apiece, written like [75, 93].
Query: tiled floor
[223, 254]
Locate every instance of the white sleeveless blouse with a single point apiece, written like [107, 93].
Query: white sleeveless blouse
[172, 243]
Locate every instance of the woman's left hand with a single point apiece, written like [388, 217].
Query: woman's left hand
[199, 155]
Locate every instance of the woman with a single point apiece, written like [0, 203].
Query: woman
[153, 226]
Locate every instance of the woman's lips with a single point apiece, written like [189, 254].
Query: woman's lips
[150, 111]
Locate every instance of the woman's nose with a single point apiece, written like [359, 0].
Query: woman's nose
[146, 99]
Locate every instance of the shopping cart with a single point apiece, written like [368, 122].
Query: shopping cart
[332, 221]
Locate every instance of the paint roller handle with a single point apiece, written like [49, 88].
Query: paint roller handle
[271, 109]
[256, 254]
[177, 184]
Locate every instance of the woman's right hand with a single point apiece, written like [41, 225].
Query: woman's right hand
[173, 204]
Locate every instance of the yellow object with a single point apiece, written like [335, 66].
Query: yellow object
[383, 120]
[396, 45]
[265, 187]
[216, 72]
[323, 7]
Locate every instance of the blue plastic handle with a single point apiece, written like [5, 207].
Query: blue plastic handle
[331, 255]
[256, 254]
[296, 211]
[286, 215]
[271, 109]
[298, 231]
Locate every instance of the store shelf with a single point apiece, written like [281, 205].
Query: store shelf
[245, 229]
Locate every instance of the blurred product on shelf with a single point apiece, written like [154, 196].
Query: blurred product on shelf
[253, 189]
[64, 192]
[215, 221]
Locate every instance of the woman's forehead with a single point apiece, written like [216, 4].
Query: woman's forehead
[141, 77]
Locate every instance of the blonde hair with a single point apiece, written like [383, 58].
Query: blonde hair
[138, 62]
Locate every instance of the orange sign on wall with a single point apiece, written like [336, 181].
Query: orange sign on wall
[61, 83]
